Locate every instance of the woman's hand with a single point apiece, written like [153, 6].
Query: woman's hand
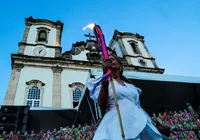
[107, 64]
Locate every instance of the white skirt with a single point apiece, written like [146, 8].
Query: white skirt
[137, 125]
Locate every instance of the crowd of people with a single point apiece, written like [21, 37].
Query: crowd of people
[183, 125]
[85, 132]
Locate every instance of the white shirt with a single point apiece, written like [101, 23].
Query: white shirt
[134, 118]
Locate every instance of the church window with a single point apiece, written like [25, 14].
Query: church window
[135, 47]
[142, 62]
[33, 98]
[76, 94]
[34, 93]
[42, 34]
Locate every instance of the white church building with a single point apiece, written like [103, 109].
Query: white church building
[43, 76]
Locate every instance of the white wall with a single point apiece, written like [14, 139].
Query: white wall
[70, 76]
[82, 56]
[33, 34]
[30, 73]
[117, 48]
[29, 51]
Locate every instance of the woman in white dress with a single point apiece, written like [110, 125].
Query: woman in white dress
[136, 122]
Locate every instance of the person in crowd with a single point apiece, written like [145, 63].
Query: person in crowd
[136, 122]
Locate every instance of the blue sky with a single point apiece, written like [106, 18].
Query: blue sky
[171, 28]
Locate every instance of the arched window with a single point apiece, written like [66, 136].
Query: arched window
[76, 94]
[42, 36]
[33, 98]
[34, 93]
[134, 47]
[76, 90]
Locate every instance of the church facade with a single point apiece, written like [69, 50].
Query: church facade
[43, 76]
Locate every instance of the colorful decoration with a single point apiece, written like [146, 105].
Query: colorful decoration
[183, 125]
[85, 132]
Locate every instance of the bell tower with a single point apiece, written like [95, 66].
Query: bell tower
[132, 48]
[36, 74]
[41, 38]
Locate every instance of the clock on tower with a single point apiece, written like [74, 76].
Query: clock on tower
[41, 38]
[40, 51]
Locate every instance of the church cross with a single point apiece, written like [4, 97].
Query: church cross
[90, 36]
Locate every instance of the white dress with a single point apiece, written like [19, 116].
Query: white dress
[136, 122]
